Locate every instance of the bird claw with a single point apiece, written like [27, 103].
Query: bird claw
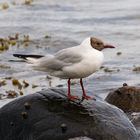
[73, 98]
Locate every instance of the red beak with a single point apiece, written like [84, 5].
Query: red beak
[108, 46]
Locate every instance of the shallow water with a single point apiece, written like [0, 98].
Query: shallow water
[68, 23]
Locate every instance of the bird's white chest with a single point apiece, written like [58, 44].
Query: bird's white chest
[92, 62]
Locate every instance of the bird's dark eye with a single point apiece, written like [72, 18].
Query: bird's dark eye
[98, 43]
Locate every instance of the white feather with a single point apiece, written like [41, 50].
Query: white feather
[75, 62]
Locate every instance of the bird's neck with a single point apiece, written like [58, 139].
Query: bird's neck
[86, 43]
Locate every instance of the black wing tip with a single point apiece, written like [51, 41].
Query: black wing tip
[20, 56]
[25, 56]
[17, 55]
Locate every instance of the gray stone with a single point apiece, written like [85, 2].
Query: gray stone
[51, 116]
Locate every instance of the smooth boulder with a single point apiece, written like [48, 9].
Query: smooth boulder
[49, 115]
[126, 98]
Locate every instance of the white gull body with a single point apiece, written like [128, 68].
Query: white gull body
[71, 63]
[75, 62]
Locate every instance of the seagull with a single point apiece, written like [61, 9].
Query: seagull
[75, 62]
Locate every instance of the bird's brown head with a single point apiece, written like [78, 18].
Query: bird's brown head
[98, 44]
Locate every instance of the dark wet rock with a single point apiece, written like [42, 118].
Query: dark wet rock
[127, 98]
[110, 70]
[125, 84]
[53, 117]
[119, 53]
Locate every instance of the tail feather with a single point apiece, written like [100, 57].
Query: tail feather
[29, 58]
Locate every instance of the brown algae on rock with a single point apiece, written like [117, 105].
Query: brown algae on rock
[14, 40]
[25, 84]
[4, 44]
[21, 93]
[28, 2]
[11, 94]
[34, 86]
[136, 69]
[16, 82]
[2, 83]
[4, 6]
[26, 38]
[107, 70]
[2, 66]
[8, 78]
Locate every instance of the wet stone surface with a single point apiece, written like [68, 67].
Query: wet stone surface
[52, 116]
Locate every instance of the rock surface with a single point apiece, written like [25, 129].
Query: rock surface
[48, 115]
[126, 98]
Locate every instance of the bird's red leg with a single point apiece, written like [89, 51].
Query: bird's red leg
[69, 95]
[84, 96]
